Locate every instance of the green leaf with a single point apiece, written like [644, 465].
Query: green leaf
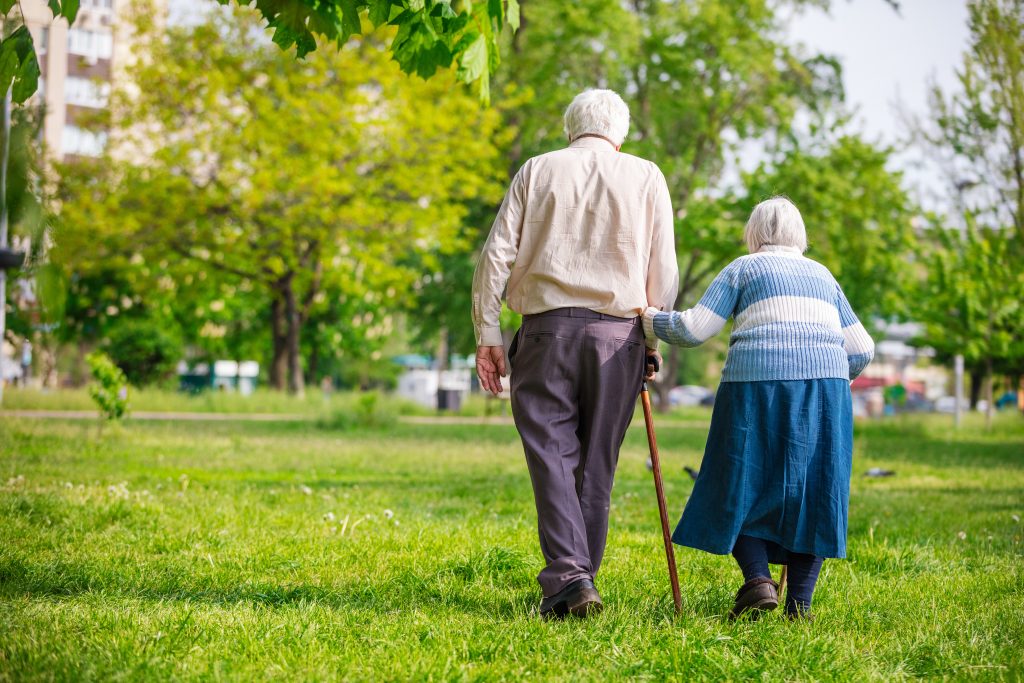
[69, 10]
[474, 60]
[497, 11]
[380, 12]
[8, 66]
[18, 65]
[446, 10]
[6, 5]
[513, 14]
[54, 6]
[350, 24]
[26, 82]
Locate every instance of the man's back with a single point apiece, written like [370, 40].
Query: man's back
[586, 226]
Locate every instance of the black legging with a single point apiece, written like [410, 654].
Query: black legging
[752, 556]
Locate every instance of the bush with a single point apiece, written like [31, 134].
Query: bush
[144, 350]
[368, 411]
[111, 390]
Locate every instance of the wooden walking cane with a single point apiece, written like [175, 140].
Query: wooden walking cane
[645, 398]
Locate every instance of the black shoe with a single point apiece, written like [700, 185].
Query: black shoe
[760, 594]
[580, 599]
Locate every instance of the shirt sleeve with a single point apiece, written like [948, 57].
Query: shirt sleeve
[496, 259]
[663, 267]
[696, 325]
[859, 346]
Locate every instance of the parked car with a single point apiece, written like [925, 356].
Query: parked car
[689, 395]
[947, 404]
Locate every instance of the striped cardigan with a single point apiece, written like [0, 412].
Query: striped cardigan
[792, 320]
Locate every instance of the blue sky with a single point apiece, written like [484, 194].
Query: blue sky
[889, 60]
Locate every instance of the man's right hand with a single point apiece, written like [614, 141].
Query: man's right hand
[653, 364]
[490, 367]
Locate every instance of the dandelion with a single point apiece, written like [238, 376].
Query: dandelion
[962, 535]
[396, 522]
[1015, 518]
[306, 490]
[68, 485]
[388, 514]
[329, 517]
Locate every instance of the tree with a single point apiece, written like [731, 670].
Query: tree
[978, 131]
[289, 180]
[977, 134]
[972, 300]
[431, 35]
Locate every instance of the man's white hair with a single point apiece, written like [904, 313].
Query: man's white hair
[777, 222]
[601, 112]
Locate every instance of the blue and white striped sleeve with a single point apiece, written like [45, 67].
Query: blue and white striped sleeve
[859, 346]
[696, 325]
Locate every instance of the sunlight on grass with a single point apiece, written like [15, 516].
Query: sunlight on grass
[242, 551]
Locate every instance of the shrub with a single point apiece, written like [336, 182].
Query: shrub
[144, 350]
[368, 411]
[111, 389]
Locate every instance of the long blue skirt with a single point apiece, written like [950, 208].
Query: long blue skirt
[776, 467]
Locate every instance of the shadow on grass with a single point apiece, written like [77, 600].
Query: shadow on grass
[497, 584]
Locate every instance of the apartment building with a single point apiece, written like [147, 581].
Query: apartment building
[78, 65]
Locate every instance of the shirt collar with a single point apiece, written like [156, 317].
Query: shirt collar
[588, 142]
[780, 249]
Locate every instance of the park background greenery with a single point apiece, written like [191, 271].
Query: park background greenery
[322, 215]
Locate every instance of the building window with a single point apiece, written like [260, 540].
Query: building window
[85, 92]
[84, 142]
[92, 45]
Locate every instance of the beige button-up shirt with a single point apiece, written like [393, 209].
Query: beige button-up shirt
[583, 226]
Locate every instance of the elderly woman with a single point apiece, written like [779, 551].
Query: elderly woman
[775, 480]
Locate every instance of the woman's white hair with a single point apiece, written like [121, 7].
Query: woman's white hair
[601, 112]
[775, 222]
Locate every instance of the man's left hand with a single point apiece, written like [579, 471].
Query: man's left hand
[490, 367]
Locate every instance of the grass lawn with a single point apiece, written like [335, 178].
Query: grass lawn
[286, 550]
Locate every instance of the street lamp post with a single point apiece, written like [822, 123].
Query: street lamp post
[8, 258]
[958, 360]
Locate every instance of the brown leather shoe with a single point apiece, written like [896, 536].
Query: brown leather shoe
[760, 594]
[580, 599]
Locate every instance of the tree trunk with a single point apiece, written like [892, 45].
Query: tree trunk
[668, 378]
[442, 360]
[296, 385]
[991, 402]
[314, 363]
[279, 361]
[977, 377]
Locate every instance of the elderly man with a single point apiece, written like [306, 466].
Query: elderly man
[583, 239]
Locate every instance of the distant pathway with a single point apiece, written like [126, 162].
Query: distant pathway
[288, 417]
[159, 415]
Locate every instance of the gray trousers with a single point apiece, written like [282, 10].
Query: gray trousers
[576, 376]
